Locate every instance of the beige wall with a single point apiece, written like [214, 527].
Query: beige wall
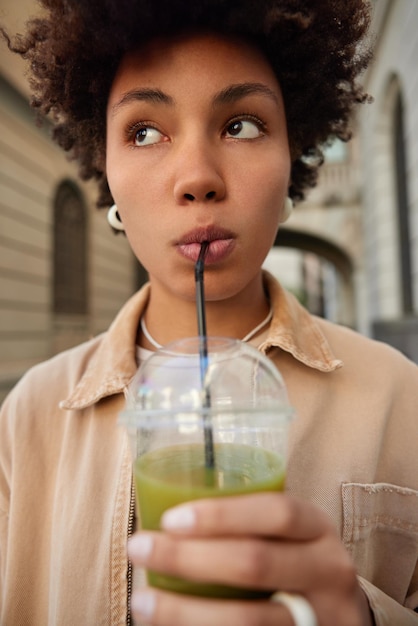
[394, 70]
[31, 168]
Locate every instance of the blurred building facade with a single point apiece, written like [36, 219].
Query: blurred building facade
[63, 273]
[349, 252]
[388, 130]
[362, 219]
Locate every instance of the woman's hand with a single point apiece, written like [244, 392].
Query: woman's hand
[263, 541]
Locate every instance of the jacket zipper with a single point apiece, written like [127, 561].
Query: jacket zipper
[129, 575]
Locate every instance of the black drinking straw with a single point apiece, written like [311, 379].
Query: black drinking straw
[203, 353]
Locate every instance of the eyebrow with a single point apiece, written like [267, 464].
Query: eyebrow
[155, 96]
[229, 95]
[233, 93]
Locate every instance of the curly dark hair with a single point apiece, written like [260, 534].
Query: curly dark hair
[316, 47]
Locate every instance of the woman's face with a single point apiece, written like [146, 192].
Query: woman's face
[197, 150]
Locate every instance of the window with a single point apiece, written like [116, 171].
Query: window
[70, 251]
[402, 201]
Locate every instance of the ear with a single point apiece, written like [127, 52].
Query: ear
[287, 209]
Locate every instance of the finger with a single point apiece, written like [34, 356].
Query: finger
[269, 514]
[250, 563]
[169, 609]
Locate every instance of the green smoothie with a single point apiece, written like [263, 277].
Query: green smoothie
[170, 476]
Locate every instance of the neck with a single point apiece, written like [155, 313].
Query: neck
[169, 318]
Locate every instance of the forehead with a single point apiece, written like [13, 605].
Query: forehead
[193, 62]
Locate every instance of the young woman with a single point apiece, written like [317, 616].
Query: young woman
[200, 122]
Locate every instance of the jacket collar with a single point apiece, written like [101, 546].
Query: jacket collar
[295, 330]
[113, 365]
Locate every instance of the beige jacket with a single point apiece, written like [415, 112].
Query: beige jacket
[65, 471]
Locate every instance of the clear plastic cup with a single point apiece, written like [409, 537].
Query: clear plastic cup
[202, 430]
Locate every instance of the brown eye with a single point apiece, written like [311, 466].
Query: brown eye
[244, 129]
[147, 135]
[235, 128]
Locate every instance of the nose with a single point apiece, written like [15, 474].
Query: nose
[198, 177]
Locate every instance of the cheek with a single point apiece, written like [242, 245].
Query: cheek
[122, 171]
[277, 190]
[269, 170]
[144, 244]
[128, 198]
[136, 187]
[116, 178]
[265, 195]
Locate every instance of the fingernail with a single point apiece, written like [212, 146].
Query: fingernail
[179, 518]
[140, 547]
[143, 603]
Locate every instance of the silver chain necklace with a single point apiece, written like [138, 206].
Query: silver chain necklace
[247, 337]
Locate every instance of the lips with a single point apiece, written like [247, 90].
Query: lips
[221, 244]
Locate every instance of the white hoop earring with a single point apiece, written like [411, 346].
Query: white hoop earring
[287, 209]
[113, 218]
